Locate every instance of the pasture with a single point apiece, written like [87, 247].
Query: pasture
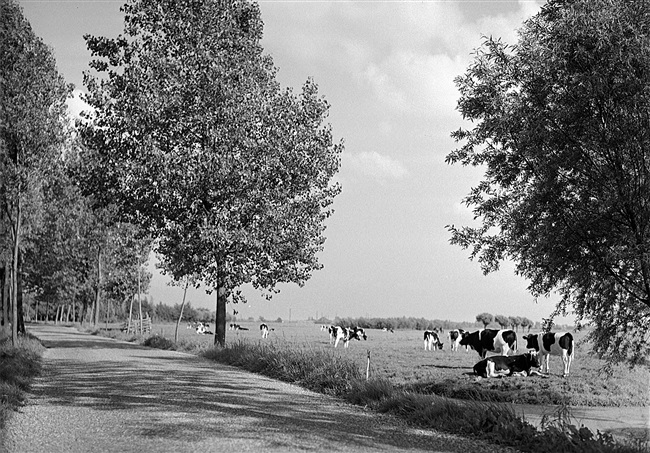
[400, 358]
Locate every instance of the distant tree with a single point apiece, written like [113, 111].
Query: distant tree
[560, 125]
[485, 319]
[502, 320]
[527, 324]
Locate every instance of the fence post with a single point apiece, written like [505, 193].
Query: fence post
[368, 366]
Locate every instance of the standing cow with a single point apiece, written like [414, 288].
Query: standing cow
[346, 334]
[431, 338]
[455, 336]
[490, 340]
[548, 344]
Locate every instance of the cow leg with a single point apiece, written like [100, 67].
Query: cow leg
[491, 370]
[545, 362]
[564, 362]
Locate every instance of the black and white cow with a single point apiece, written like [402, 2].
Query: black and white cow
[346, 334]
[265, 330]
[203, 328]
[552, 343]
[236, 327]
[490, 340]
[431, 339]
[455, 336]
[507, 366]
[333, 332]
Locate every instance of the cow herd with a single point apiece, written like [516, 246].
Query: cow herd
[503, 343]
[540, 347]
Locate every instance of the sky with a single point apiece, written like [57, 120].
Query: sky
[387, 69]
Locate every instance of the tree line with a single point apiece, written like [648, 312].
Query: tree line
[513, 322]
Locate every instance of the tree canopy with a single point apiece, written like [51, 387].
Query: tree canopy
[193, 137]
[560, 122]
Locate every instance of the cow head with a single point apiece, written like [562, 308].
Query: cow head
[359, 333]
[531, 341]
[464, 340]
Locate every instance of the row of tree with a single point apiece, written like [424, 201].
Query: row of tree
[190, 149]
[513, 322]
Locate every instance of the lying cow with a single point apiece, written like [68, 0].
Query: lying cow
[431, 338]
[490, 340]
[203, 328]
[236, 327]
[548, 344]
[496, 366]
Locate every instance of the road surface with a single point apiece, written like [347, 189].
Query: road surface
[102, 395]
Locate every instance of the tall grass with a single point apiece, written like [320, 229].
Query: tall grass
[325, 372]
[18, 367]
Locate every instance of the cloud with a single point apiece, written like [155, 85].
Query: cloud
[376, 165]
[76, 105]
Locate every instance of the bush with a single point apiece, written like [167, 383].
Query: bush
[159, 343]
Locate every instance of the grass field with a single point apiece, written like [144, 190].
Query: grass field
[400, 357]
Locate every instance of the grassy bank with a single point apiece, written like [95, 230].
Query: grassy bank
[18, 367]
[330, 374]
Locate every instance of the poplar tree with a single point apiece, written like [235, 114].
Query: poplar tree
[193, 137]
[34, 130]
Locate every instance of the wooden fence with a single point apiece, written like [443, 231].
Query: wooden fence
[137, 325]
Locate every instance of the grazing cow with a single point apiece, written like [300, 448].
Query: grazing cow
[548, 344]
[346, 334]
[492, 340]
[496, 366]
[388, 329]
[265, 330]
[431, 339]
[333, 332]
[455, 336]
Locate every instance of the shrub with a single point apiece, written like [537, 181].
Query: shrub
[159, 343]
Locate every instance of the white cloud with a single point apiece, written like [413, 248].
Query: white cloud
[76, 105]
[376, 165]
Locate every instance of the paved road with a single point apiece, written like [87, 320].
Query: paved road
[102, 395]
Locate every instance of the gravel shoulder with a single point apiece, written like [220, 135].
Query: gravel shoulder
[99, 394]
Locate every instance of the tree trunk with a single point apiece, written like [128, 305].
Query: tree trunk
[220, 328]
[47, 311]
[4, 277]
[20, 317]
[98, 289]
[139, 300]
[180, 316]
[36, 311]
[128, 326]
[14, 274]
